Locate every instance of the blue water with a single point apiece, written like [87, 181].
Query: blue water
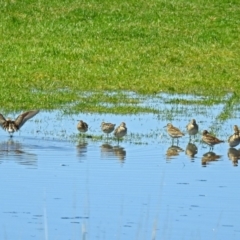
[55, 188]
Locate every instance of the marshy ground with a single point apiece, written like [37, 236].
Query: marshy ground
[91, 187]
[146, 63]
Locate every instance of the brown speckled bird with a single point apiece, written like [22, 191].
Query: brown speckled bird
[174, 132]
[120, 131]
[14, 125]
[234, 139]
[82, 126]
[210, 139]
[107, 127]
[192, 128]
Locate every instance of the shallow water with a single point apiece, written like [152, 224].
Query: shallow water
[143, 188]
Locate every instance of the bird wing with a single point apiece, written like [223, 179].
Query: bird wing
[116, 130]
[212, 139]
[22, 118]
[218, 140]
[175, 131]
[2, 120]
[230, 138]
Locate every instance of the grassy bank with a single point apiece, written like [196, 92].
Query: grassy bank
[56, 52]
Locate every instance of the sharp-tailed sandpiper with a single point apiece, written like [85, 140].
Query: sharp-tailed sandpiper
[210, 139]
[174, 132]
[120, 131]
[82, 126]
[107, 127]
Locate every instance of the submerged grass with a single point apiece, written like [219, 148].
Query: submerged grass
[130, 138]
[207, 101]
[53, 52]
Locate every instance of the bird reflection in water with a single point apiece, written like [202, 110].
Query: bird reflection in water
[173, 151]
[234, 155]
[14, 150]
[81, 149]
[120, 153]
[106, 149]
[209, 157]
[109, 151]
[191, 150]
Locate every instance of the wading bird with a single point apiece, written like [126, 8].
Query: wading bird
[120, 131]
[82, 126]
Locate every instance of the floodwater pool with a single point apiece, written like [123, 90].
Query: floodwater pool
[58, 185]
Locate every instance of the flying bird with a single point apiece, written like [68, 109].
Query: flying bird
[14, 125]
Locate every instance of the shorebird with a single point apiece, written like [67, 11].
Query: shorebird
[107, 127]
[120, 131]
[234, 139]
[14, 125]
[82, 126]
[174, 132]
[210, 139]
[192, 128]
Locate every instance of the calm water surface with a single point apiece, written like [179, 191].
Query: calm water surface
[54, 188]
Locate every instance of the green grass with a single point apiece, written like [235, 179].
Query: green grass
[55, 53]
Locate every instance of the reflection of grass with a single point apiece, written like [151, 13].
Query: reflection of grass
[52, 51]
